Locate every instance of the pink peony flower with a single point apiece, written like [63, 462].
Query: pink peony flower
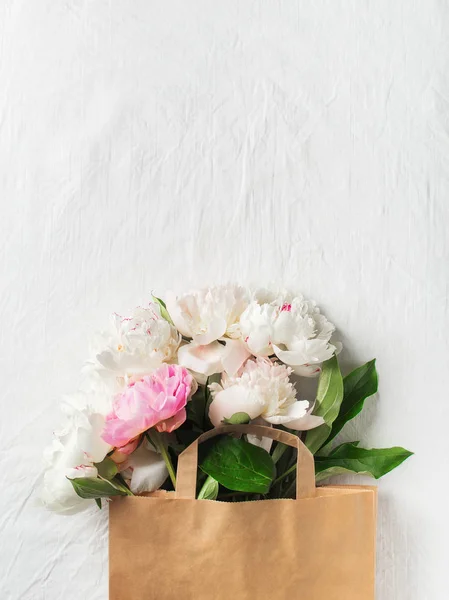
[157, 400]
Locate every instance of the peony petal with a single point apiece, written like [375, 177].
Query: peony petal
[206, 360]
[232, 400]
[216, 328]
[130, 446]
[305, 423]
[338, 348]
[291, 357]
[307, 370]
[148, 470]
[81, 472]
[259, 343]
[172, 423]
[304, 352]
[234, 355]
[295, 411]
[199, 378]
[176, 314]
[120, 455]
[260, 441]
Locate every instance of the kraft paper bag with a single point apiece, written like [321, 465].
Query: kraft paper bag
[320, 546]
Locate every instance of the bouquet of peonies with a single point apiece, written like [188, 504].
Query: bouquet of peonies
[176, 369]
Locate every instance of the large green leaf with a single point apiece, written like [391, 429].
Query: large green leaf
[349, 458]
[210, 488]
[92, 488]
[329, 398]
[239, 466]
[357, 387]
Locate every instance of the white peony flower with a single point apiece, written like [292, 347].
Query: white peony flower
[208, 314]
[211, 318]
[76, 446]
[261, 389]
[289, 327]
[138, 345]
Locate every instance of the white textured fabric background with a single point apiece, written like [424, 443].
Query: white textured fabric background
[153, 145]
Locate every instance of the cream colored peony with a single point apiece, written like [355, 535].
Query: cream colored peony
[289, 327]
[263, 389]
[75, 449]
[210, 318]
[137, 346]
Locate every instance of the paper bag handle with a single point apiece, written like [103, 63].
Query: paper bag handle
[188, 459]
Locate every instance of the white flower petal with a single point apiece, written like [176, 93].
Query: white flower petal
[148, 470]
[206, 360]
[338, 348]
[91, 442]
[233, 400]
[176, 314]
[57, 494]
[305, 352]
[291, 357]
[295, 411]
[260, 441]
[307, 370]
[305, 423]
[200, 378]
[234, 355]
[216, 328]
[213, 358]
[259, 343]
[82, 472]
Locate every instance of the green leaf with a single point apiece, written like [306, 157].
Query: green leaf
[209, 491]
[164, 312]
[93, 488]
[107, 469]
[238, 418]
[98, 502]
[239, 466]
[359, 385]
[349, 458]
[329, 398]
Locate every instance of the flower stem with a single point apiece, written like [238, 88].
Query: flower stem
[156, 439]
